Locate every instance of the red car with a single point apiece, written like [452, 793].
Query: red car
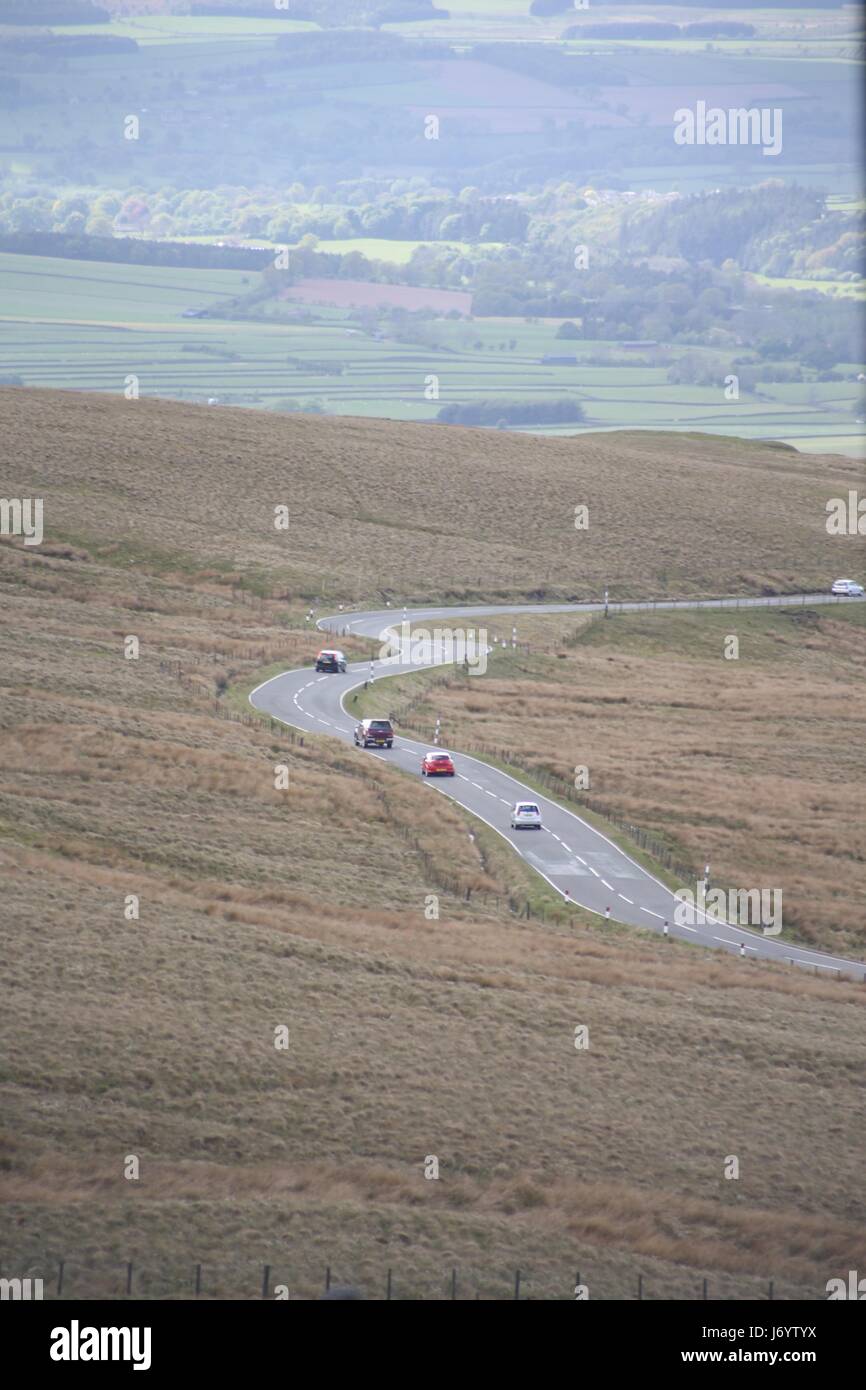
[436, 764]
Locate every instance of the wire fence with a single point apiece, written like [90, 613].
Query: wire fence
[200, 686]
[74, 1279]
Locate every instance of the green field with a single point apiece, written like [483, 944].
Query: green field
[856, 290]
[45, 288]
[779, 30]
[398, 252]
[163, 29]
[89, 325]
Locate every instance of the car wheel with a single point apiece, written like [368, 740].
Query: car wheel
[391, 744]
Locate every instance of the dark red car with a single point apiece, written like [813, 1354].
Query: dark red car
[435, 764]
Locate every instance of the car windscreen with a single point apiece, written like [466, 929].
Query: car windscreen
[379, 724]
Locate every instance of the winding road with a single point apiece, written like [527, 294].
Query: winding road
[578, 861]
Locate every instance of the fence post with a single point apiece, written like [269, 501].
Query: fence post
[129, 1277]
[770, 1291]
[640, 1286]
[60, 1269]
[388, 1289]
[705, 1288]
[517, 1284]
[197, 1280]
[266, 1279]
[454, 1283]
[327, 1278]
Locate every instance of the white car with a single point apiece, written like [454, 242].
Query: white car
[525, 815]
[849, 587]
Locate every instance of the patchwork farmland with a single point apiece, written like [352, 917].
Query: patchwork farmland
[91, 326]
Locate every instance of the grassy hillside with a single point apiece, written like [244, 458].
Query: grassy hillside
[304, 908]
[408, 511]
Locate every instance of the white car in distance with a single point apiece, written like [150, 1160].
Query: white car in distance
[525, 815]
[848, 587]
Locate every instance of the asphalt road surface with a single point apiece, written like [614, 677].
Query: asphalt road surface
[578, 861]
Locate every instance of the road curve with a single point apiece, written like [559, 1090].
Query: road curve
[577, 860]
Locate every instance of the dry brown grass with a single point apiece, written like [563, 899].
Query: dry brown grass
[423, 511]
[408, 1037]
